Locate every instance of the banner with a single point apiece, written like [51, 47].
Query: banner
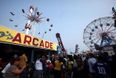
[13, 37]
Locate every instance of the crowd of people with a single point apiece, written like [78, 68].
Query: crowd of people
[88, 65]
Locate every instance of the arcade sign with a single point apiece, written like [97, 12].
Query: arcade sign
[13, 37]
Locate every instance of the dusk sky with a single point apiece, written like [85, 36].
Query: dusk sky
[69, 18]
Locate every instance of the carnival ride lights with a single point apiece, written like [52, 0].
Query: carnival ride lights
[101, 32]
[60, 43]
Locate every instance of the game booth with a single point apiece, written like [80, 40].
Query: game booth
[13, 42]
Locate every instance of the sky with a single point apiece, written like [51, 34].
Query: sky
[69, 18]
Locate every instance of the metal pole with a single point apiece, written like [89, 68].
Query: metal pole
[32, 56]
[49, 55]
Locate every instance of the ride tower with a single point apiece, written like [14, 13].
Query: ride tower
[60, 45]
[76, 49]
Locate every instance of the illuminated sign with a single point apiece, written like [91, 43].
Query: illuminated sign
[11, 36]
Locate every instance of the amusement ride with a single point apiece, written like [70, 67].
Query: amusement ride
[101, 32]
[61, 48]
[33, 17]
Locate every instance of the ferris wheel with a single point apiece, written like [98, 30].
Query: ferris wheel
[100, 32]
